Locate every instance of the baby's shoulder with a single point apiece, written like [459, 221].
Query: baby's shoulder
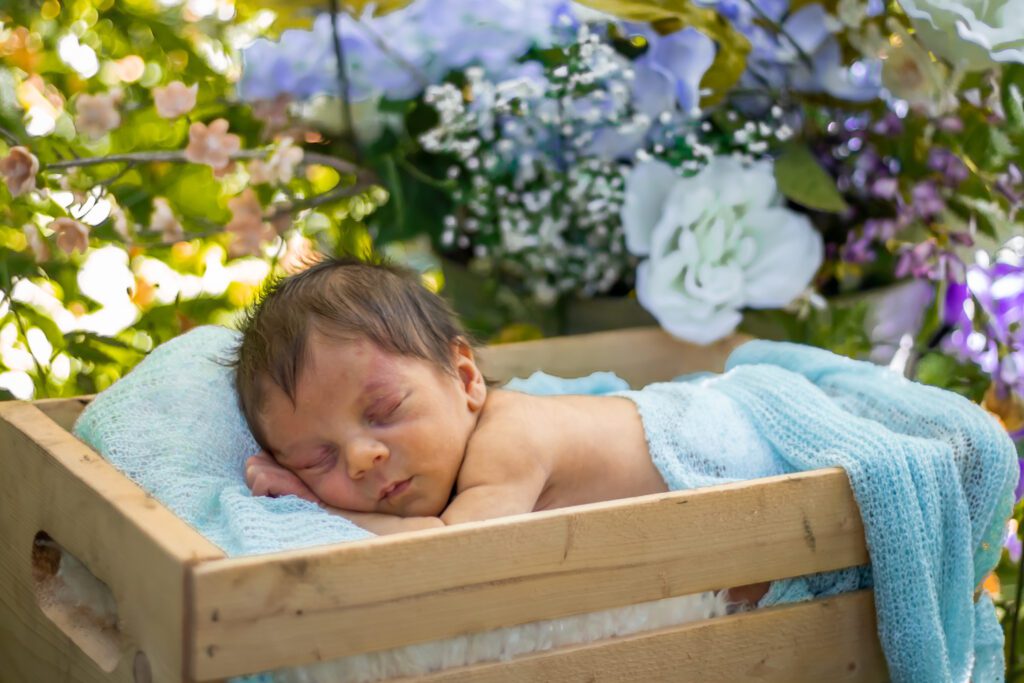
[503, 447]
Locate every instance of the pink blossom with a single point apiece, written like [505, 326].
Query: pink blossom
[97, 114]
[19, 169]
[71, 235]
[211, 145]
[273, 113]
[279, 168]
[247, 225]
[163, 221]
[175, 99]
[37, 243]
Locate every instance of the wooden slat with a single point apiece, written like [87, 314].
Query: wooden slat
[63, 411]
[51, 482]
[640, 356]
[832, 640]
[253, 614]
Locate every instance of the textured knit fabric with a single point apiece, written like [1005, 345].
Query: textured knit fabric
[174, 427]
[933, 475]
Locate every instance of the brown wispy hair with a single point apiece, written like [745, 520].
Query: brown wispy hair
[344, 299]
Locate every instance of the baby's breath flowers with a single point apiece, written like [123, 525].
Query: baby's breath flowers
[533, 201]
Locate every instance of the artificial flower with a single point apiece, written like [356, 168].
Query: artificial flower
[715, 243]
[37, 243]
[973, 34]
[212, 145]
[71, 235]
[175, 99]
[19, 169]
[279, 168]
[164, 221]
[248, 229]
[97, 115]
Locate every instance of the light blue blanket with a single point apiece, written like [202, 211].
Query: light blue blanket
[933, 474]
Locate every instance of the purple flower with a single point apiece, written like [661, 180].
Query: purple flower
[987, 314]
[927, 260]
[885, 188]
[926, 200]
[1012, 542]
[952, 168]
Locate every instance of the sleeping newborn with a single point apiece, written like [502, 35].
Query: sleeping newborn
[363, 391]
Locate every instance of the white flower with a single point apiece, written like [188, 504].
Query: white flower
[970, 33]
[910, 74]
[715, 243]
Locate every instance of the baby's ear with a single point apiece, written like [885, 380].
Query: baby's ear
[470, 377]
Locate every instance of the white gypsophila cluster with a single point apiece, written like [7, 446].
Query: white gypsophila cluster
[534, 202]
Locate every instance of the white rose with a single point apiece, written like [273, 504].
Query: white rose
[970, 33]
[715, 243]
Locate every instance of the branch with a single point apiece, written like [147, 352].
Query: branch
[364, 178]
[10, 137]
[778, 27]
[393, 55]
[178, 157]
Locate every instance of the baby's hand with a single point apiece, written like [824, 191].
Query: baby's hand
[265, 477]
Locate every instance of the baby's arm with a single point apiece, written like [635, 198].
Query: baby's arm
[265, 477]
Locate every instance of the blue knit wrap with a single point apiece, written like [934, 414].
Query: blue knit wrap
[933, 474]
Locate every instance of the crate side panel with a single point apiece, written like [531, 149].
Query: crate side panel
[51, 482]
[254, 614]
[831, 640]
[662, 357]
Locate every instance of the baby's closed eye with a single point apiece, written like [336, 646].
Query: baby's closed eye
[383, 413]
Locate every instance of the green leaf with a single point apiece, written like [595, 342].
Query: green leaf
[1013, 96]
[801, 178]
[672, 15]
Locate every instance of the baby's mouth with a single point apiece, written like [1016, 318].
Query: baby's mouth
[395, 489]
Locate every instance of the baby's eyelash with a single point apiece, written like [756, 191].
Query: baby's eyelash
[383, 415]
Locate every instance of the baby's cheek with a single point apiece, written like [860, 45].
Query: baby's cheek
[338, 491]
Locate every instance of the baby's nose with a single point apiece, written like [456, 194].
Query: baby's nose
[363, 455]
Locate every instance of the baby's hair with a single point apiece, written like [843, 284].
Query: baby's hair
[344, 299]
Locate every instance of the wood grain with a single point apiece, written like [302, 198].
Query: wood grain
[51, 482]
[833, 640]
[292, 608]
[640, 356]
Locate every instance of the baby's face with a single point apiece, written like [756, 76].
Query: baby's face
[374, 432]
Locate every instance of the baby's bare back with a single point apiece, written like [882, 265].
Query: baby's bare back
[555, 451]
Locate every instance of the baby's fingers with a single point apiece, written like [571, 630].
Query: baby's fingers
[272, 480]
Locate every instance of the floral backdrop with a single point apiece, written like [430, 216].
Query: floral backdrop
[840, 173]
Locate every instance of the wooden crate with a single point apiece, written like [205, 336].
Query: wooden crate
[188, 613]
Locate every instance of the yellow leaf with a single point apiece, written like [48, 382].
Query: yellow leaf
[1009, 408]
[991, 585]
[733, 46]
[301, 13]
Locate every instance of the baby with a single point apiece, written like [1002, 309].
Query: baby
[363, 391]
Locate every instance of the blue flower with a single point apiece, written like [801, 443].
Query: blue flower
[422, 43]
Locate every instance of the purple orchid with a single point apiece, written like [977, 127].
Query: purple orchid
[987, 314]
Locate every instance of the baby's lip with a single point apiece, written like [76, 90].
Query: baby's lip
[390, 488]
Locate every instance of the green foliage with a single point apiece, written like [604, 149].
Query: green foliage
[52, 326]
[801, 178]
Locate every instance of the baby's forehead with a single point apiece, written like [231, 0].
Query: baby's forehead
[360, 365]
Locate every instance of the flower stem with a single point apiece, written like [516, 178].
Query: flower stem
[1011, 674]
[344, 91]
[781, 30]
[392, 54]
